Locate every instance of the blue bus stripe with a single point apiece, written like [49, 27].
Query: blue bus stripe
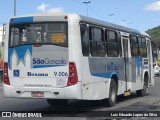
[21, 20]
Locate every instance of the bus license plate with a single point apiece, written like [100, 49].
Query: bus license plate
[37, 94]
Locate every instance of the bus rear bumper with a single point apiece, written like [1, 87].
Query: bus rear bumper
[71, 92]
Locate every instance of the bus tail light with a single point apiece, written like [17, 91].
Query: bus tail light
[6, 78]
[73, 77]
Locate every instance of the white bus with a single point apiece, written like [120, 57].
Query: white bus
[60, 57]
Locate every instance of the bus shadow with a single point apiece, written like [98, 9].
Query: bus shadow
[122, 98]
[76, 105]
[87, 105]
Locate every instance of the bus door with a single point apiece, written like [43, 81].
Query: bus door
[149, 55]
[127, 62]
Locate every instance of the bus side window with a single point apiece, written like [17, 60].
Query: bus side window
[134, 45]
[112, 43]
[97, 44]
[84, 40]
[119, 44]
[142, 47]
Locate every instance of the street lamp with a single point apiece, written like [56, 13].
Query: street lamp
[110, 14]
[87, 5]
[14, 7]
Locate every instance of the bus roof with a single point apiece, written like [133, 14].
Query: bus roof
[90, 20]
[109, 25]
[145, 34]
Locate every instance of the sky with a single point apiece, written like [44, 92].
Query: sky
[137, 14]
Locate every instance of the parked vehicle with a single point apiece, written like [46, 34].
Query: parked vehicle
[156, 69]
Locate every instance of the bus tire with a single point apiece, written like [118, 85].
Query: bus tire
[142, 92]
[57, 102]
[111, 101]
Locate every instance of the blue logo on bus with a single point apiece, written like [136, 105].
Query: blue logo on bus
[37, 61]
[47, 62]
[16, 73]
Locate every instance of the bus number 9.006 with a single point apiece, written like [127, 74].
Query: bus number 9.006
[60, 73]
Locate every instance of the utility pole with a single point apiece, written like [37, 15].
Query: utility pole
[14, 7]
[3, 35]
[87, 5]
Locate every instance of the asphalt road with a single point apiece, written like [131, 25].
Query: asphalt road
[150, 102]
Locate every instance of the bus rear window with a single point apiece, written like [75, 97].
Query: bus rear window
[38, 33]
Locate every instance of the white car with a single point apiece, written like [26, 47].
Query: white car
[156, 69]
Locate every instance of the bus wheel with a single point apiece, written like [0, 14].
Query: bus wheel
[142, 92]
[111, 101]
[57, 102]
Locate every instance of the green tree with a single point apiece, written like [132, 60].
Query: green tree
[155, 35]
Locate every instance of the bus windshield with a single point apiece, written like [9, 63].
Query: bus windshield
[38, 33]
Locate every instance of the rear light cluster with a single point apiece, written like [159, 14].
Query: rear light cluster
[6, 78]
[37, 45]
[73, 77]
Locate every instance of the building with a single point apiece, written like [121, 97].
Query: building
[1, 33]
[1, 49]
